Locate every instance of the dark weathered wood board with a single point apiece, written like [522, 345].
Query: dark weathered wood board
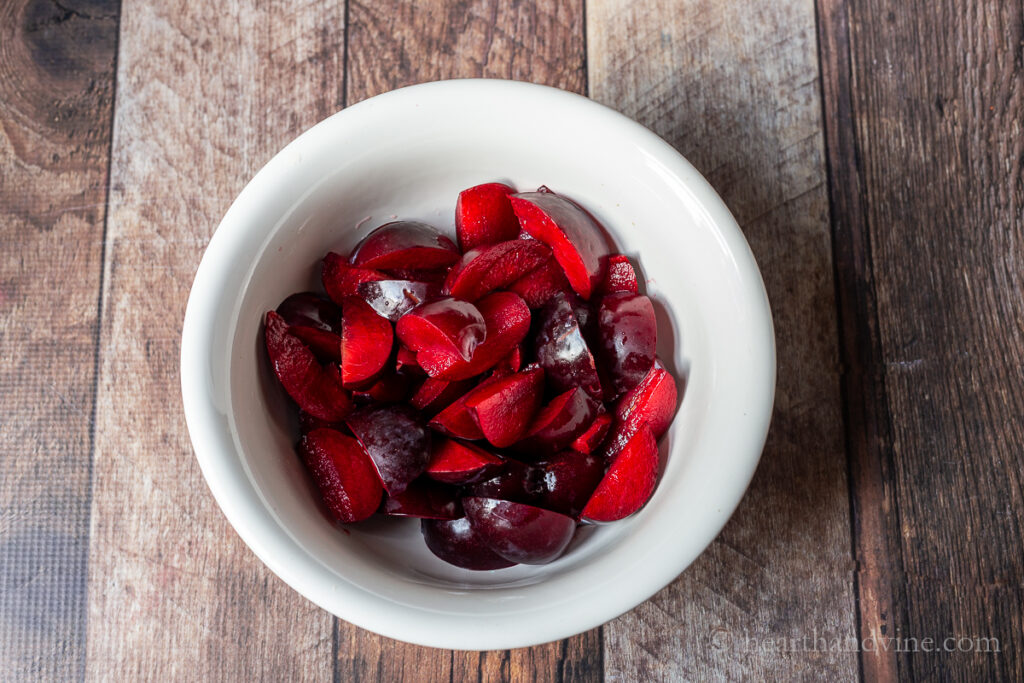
[926, 155]
[56, 93]
[206, 94]
[734, 87]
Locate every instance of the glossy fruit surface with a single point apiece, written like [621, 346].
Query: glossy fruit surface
[627, 334]
[397, 440]
[366, 342]
[483, 216]
[456, 542]
[562, 350]
[404, 244]
[519, 532]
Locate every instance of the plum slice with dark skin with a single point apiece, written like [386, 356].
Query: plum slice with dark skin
[434, 395]
[456, 420]
[455, 542]
[366, 342]
[341, 279]
[619, 276]
[343, 472]
[397, 441]
[569, 479]
[457, 462]
[507, 319]
[504, 408]
[562, 350]
[483, 215]
[317, 389]
[404, 244]
[394, 298]
[651, 402]
[516, 480]
[445, 325]
[495, 266]
[519, 532]
[425, 499]
[590, 440]
[559, 423]
[627, 334]
[541, 283]
[629, 482]
[316, 321]
[575, 238]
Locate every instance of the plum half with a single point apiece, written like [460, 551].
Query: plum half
[519, 532]
[456, 542]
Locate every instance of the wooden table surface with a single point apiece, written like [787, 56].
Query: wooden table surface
[872, 152]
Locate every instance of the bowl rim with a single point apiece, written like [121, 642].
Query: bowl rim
[222, 467]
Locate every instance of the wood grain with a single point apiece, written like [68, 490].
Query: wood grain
[734, 87]
[937, 98]
[395, 43]
[56, 93]
[206, 94]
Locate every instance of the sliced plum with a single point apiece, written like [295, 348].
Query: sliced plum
[458, 462]
[366, 342]
[570, 478]
[507, 319]
[562, 350]
[446, 325]
[343, 472]
[519, 532]
[627, 334]
[425, 499]
[651, 402]
[541, 283]
[629, 482]
[394, 298]
[495, 266]
[515, 480]
[404, 244]
[619, 276]
[455, 542]
[504, 408]
[317, 389]
[483, 216]
[316, 321]
[396, 439]
[575, 238]
[456, 420]
[341, 279]
[592, 439]
[559, 423]
[434, 395]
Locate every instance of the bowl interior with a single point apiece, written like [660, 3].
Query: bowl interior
[407, 155]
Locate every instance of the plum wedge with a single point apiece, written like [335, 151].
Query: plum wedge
[485, 269]
[455, 542]
[483, 215]
[569, 479]
[317, 389]
[559, 423]
[562, 350]
[315, 321]
[575, 238]
[458, 462]
[366, 342]
[651, 402]
[343, 472]
[504, 408]
[405, 245]
[629, 482]
[397, 441]
[444, 325]
[341, 279]
[628, 339]
[519, 532]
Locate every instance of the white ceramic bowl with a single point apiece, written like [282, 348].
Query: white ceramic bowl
[408, 153]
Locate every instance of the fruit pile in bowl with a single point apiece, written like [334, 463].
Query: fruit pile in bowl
[504, 389]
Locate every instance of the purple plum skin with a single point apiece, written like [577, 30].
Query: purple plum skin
[628, 338]
[518, 532]
[562, 350]
[455, 542]
[569, 479]
[397, 440]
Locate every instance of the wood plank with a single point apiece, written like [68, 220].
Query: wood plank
[394, 43]
[937, 99]
[206, 94]
[868, 432]
[56, 93]
[734, 87]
